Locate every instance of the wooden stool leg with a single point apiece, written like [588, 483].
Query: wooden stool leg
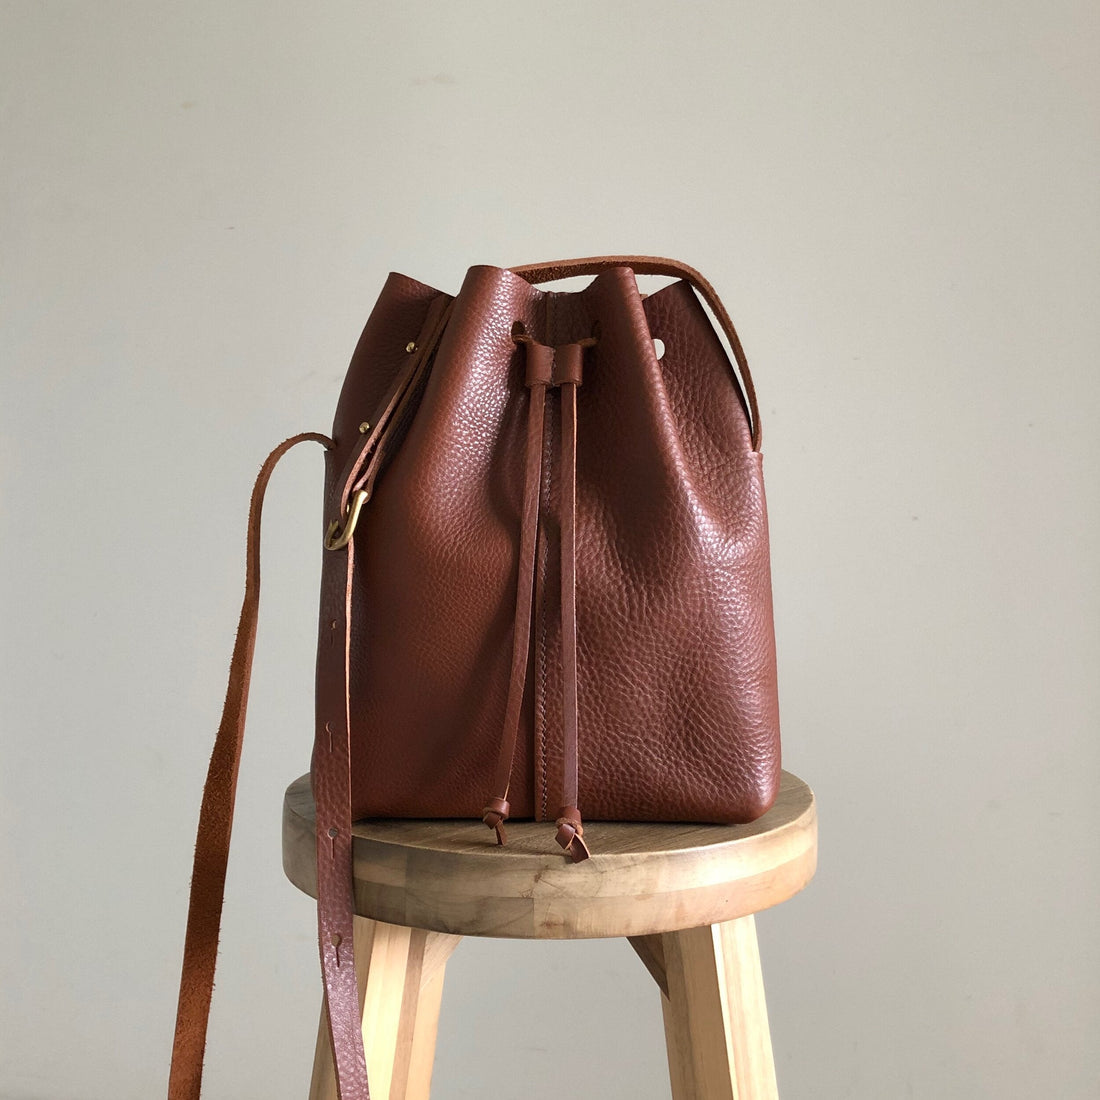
[400, 974]
[716, 1020]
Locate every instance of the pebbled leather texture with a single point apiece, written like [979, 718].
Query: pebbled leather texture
[678, 717]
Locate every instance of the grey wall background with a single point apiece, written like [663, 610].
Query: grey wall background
[900, 206]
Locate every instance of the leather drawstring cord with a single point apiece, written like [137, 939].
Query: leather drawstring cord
[568, 371]
[545, 367]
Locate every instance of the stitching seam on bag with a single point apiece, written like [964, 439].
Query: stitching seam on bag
[543, 560]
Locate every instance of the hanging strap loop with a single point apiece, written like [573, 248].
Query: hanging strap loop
[204, 913]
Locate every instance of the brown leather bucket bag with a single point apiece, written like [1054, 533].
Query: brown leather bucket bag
[545, 589]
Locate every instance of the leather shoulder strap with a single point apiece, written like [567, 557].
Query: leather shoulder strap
[331, 776]
[330, 771]
[657, 265]
[204, 913]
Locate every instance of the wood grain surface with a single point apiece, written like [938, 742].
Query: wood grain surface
[643, 879]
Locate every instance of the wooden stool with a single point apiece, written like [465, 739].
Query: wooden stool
[684, 895]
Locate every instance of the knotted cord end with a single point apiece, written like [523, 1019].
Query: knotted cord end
[570, 834]
[495, 815]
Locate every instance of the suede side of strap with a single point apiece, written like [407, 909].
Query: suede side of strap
[216, 816]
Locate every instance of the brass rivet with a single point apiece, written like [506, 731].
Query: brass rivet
[410, 347]
[364, 427]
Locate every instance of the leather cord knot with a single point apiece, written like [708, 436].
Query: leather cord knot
[570, 833]
[495, 815]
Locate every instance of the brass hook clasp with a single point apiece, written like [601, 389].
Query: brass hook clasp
[336, 539]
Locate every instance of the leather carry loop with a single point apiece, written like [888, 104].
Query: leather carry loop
[204, 912]
[658, 265]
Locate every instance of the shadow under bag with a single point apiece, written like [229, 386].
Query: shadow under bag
[545, 589]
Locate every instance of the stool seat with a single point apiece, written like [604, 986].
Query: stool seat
[642, 878]
[684, 896]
